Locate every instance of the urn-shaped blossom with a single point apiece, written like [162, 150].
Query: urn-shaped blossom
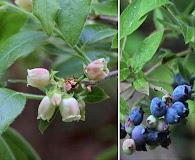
[38, 77]
[46, 109]
[56, 99]
[97, 69]
[82, 109]
[69, 109]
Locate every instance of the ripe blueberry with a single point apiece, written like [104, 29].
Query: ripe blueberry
[172, 116]
[157, 107]
[138, 135]
[136, 115]
[180, 108]
[182, 93]
[152, 137]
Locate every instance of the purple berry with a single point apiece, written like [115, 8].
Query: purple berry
[180, 108]
[136, 116]
[138, 135]
[123, 133]
[172, 116]
[182, 93]
[157, 107]
[152, 137]
[164, 139]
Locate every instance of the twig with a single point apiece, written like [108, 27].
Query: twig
[130, 94]
[164, 61]
[126, 88]
[110, 75]
[156, 88]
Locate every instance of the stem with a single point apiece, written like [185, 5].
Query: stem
[136, 103]
[30, 15]
[126, 88]
[110, 75]
[164, 61]
[124, 43]
[173, 16]
[80, 78]
[80, 52]
[32, 96]
[130, 94]
[17, 81]
[160, 89]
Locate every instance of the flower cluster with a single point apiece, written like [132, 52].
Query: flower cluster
[60, 92]
[165, 111]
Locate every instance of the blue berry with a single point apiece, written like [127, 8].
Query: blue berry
[152, 137]
[180, 108]
[138, 135]
[123, 133]
[157, 107]
[164, 139]
[172, 116]
[136, 116]
[182, 93]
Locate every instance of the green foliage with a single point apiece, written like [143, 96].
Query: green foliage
[124, 108]
[109, 7]
[96, 95]
[11, 24]
[19, 45]
[12, 104]
[146, 51]
[75, 17]
[19, 147]
[46, 12]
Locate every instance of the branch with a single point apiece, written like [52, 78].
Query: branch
[160, 89]
[110, 75]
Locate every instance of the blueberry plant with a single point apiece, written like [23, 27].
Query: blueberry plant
[79, 40]
[156, 78]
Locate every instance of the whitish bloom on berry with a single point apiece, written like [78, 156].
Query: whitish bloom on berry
[25, 4]
[128, 146]
[69, 109]
[56, 99]
[46, 109]
[38, 77]
[97, 69]
[82, 106]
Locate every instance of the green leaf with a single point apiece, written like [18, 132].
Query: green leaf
[71, 19]
[188, 32]
[19, 45]
[184, 72]
[115, 41]
[156, 16]
[11, 105]
[5, 152]
[43, 125]
[108, 8]
[124, 70]
[193, 13]
[146, 51]
[141, 85]
[129, 20]
[10, 23]
[96, 32]
[108, 154]
[124, 108]
[20, 148]
[96, 95]
[147, 6]
[46, 11]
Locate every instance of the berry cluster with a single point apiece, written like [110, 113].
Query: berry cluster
[164, 112]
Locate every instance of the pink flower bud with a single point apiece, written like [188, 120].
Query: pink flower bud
[82, 109]
[56, 99]
[69, 109]
[38, 77]
[46, 109]
[97, 69]
[25, 4]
